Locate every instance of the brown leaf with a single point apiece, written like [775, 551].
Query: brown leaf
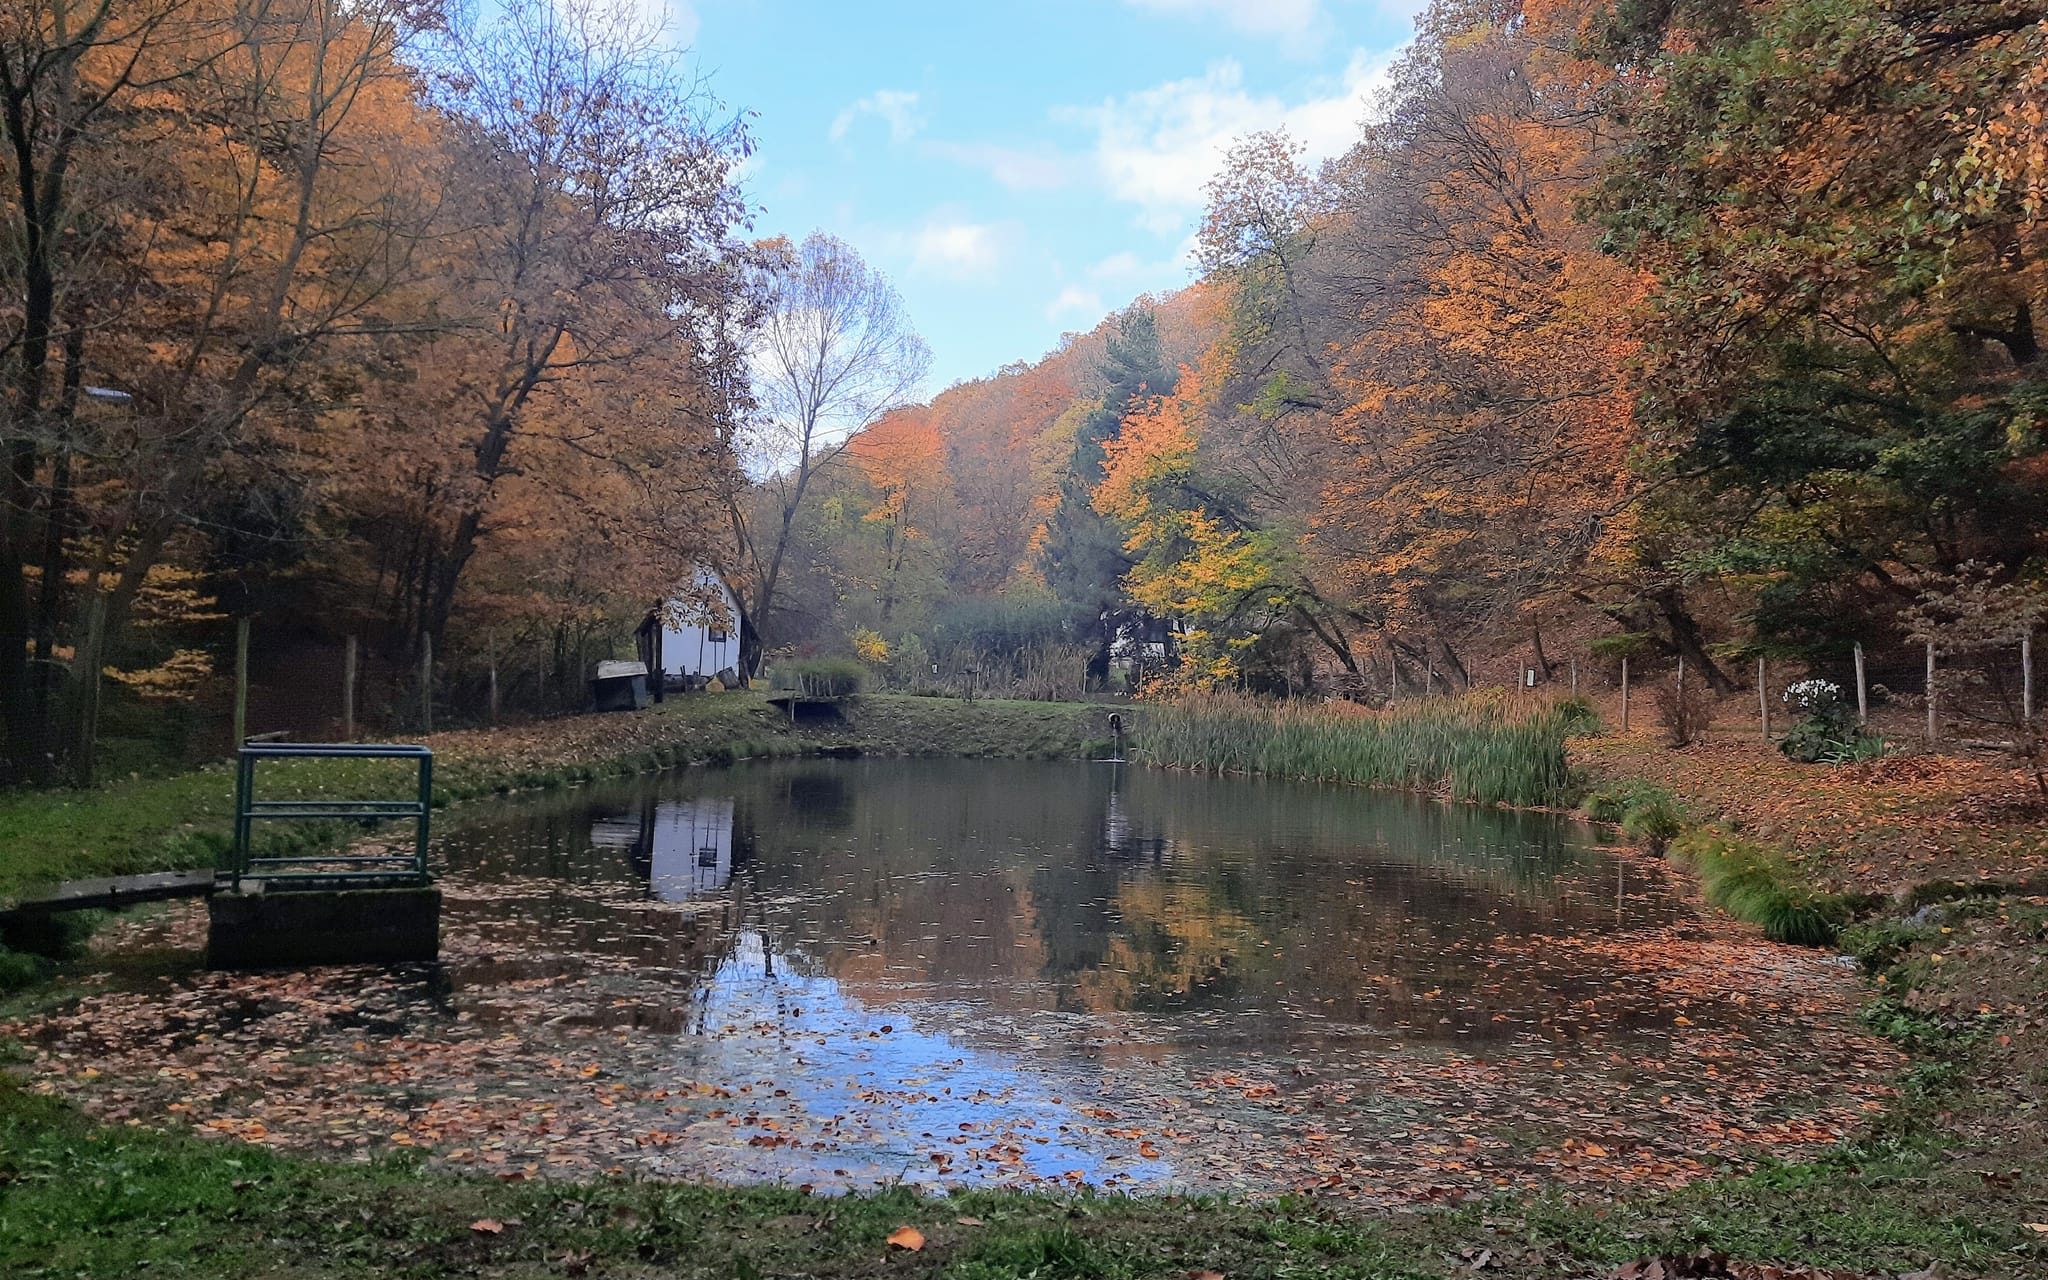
[909, 1238]
[487, 1226]
[970, 1221]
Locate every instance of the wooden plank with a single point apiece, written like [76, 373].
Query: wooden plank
[117, 891]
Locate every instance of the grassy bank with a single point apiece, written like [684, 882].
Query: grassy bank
[181, 822]
[1749, 879]
[1487, 749]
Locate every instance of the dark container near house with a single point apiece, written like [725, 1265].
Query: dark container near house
[619, 686]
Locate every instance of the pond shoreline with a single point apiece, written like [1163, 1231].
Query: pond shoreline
[1943, 1177]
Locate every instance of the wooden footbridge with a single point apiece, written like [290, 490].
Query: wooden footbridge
[338, 907]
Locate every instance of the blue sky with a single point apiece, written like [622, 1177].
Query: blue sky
[1021, 169]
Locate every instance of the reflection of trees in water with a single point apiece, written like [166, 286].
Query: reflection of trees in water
[1106, 888]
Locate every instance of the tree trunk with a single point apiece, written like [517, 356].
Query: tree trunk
[1685, 639]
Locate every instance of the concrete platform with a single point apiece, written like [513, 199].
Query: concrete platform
[298, 927]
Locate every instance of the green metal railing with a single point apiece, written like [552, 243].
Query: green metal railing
[336, 868]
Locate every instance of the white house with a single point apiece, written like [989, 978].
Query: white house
[696, 633]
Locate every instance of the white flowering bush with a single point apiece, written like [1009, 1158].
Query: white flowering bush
[1825, 730]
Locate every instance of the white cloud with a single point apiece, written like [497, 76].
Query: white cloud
[1083, 304]
[1291, 18]
[956, 250]
[1017, 169]
[1157, 147]
[895, 107]
[1301, 26]
[674, 20]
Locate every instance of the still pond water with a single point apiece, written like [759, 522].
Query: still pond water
[844, 973]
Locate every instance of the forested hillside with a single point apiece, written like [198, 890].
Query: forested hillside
[1660, 328]
[1705, 329]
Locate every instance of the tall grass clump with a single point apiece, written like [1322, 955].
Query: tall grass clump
[1753, 882]
[1477, 748]
[820, 677]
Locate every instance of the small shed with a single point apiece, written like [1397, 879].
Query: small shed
[619, 686]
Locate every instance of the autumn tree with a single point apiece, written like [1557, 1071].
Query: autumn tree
[601, 235]
[1083, 556]
[833, 354]
[205, 177]
[1841, 205]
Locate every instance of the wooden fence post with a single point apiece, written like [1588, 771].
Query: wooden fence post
[493, 704]
[1575, 677]
[1763, 697]
[1933, 712]
[241, 681]
[1624, 694]
[1862, 689]
[2027, 677]
[426, 684]
[348, 690]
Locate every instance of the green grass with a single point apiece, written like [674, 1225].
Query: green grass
[82, 1199]
[1478, 748]
[1754, 882]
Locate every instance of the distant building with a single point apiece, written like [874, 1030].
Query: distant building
[695, 635]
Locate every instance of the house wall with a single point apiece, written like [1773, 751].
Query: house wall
[691, 650]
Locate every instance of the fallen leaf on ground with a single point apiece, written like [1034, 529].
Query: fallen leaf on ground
[909, 1238]
[487, 1226]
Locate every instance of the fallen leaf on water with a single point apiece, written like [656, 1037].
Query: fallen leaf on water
[909, 1238]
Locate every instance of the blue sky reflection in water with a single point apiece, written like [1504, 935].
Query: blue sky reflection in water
[958, 971]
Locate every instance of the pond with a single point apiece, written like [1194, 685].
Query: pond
[847, 973]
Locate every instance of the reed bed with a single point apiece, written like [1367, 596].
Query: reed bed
[1483, 748]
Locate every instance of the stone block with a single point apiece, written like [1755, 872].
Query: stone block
[294, 928]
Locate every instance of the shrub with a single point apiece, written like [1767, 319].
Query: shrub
[1578, 717]
[821, 677]
[1826, 732]
[1654, 820]
[1685, 711]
